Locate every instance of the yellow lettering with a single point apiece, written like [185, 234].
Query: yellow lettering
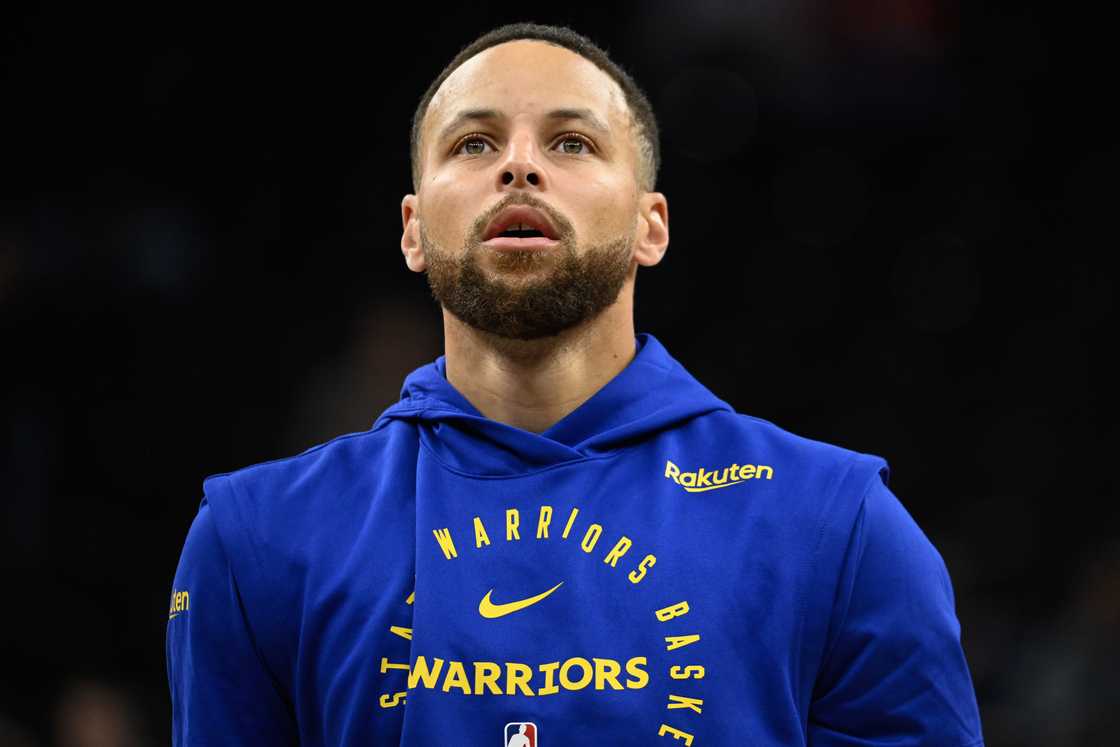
[405, 633]
[443, 537]
[606, 670]
[543, 522]
[702, 480]
[680, 641]
[549, 671]
[585, 678]
[480, 536]
[634, 669]
[618, 551]
[180, 601]
[576, 673]
[386, 666]
[456, 677]
[421, 673]
[668, 613]
[411, 598]
[665, 729]
[397, 699]
[571, 520]
[487, 679]
[513, 519]
[679, 701]
[640, 572]
[694, 671]
[592, 537]
[517, 678]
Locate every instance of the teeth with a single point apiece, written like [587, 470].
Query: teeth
[521, 227]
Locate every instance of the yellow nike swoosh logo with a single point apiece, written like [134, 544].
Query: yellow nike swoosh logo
[488, 609]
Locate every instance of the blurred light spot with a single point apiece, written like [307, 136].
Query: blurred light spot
[96, 714]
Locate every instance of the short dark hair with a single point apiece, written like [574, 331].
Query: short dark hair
[649, 149]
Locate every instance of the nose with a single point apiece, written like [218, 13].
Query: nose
[521, 168]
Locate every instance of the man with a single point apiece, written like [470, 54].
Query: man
[557, 531]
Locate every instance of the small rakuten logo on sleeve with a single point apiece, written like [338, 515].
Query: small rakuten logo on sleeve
[180, 603]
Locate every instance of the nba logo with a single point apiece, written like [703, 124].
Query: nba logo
[521, 734]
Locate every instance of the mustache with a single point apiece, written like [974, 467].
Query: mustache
[563, 225]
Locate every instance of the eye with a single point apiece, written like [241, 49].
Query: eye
[471, 145]
[574, 137]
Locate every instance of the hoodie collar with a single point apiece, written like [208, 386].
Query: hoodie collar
[653, 393]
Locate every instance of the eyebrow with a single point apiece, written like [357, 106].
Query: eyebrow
[586, 116]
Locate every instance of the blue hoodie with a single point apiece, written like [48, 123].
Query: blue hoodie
[653, 569]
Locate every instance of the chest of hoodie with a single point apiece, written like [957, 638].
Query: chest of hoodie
[641, 587]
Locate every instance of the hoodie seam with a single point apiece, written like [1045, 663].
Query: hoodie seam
[473, 475]
[291, 457]
[614, 454]
[812, 561]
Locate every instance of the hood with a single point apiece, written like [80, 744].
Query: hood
[653, 393]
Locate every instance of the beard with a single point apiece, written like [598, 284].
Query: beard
[522, 300]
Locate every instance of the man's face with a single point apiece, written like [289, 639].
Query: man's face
[532, 125]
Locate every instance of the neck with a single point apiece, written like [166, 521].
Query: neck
[533, 384]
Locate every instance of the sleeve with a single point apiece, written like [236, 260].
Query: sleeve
[894, 672]
[221, 691]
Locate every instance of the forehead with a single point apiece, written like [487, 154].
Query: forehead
[528, 77]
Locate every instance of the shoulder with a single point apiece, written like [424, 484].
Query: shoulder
[292, 482]
[772, 436]
[262, 512]
[800, 463]
[815, 488]
[275, 520]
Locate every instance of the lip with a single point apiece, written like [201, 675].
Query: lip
[515, 214]
[511, 244]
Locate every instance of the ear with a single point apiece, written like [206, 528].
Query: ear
[653, 229]
[410, 236]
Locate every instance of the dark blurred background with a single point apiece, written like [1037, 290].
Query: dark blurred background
[889, 225]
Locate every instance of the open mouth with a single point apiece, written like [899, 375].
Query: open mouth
[520, 227]
[520, 236]
[520, 233]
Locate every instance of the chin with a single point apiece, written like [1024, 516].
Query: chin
[504, 263]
